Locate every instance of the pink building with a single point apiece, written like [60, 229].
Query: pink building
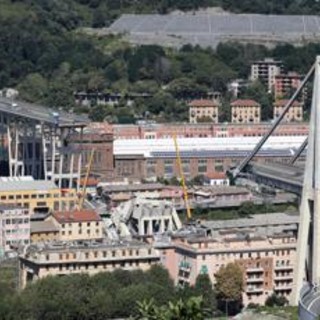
[14, 227]
[264, 246]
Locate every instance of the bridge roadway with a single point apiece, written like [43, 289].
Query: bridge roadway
[277, 175]
[41, 114]
[281, 198]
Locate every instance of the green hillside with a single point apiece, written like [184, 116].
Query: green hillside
[45, 56]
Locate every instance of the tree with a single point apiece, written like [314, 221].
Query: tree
[229, 288]
[246, 209]
[276, 301]
[203, 287]
[191, 309]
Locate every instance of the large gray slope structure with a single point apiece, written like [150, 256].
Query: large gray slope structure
[210, 29]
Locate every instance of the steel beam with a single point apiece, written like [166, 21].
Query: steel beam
[245, 162]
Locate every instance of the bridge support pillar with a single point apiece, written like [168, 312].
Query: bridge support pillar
[307, 266]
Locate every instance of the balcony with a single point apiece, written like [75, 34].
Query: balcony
[254, 280]
[283, 267]
[254, 289]
[255, 270]
[282, 287]
[185, 266]
[282, 278]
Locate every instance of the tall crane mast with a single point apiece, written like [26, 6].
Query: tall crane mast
[83, 193]
[182, 178]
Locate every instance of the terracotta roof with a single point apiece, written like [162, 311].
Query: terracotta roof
[216, 175]
[283, 102]
[91, 181]
[76, 216]
[245, 102]
[204, 103]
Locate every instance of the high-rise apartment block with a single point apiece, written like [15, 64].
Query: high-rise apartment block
[266, 71]
[286, 84]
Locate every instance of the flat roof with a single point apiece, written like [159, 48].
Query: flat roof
[235, 146]
[41, 113]
[10, 185]
[256, 220]
[61, 246]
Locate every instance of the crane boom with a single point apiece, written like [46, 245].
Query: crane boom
[83, 194]
[183, 182]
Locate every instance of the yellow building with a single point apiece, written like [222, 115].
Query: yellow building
[203, 110]
[294, 114]
[245, 111]
[78, 224]
[36, 195]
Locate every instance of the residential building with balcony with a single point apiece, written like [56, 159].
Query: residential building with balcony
[286, 84]
[204, 110]
[90, 257]
[266, 71]
[264, 246]
[14, 227]
[294, 114]
[245, 111]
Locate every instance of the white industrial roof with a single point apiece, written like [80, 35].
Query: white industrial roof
[24, 184]
[146, 146]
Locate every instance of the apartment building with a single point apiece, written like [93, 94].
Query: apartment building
[14, 227]
[245, 111]
[91, 257]
[204, 110]
[294, 114]
[286, 84]
[263, 245]
[266, 71]
[78, 224]
[35, 195]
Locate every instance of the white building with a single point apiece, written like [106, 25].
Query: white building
[14, 227]
[266, 71]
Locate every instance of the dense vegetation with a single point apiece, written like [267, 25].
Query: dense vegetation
[103, 296]
[47, 58]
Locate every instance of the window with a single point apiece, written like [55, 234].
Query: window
[202, 166]
[88, 224]
[185, 166]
